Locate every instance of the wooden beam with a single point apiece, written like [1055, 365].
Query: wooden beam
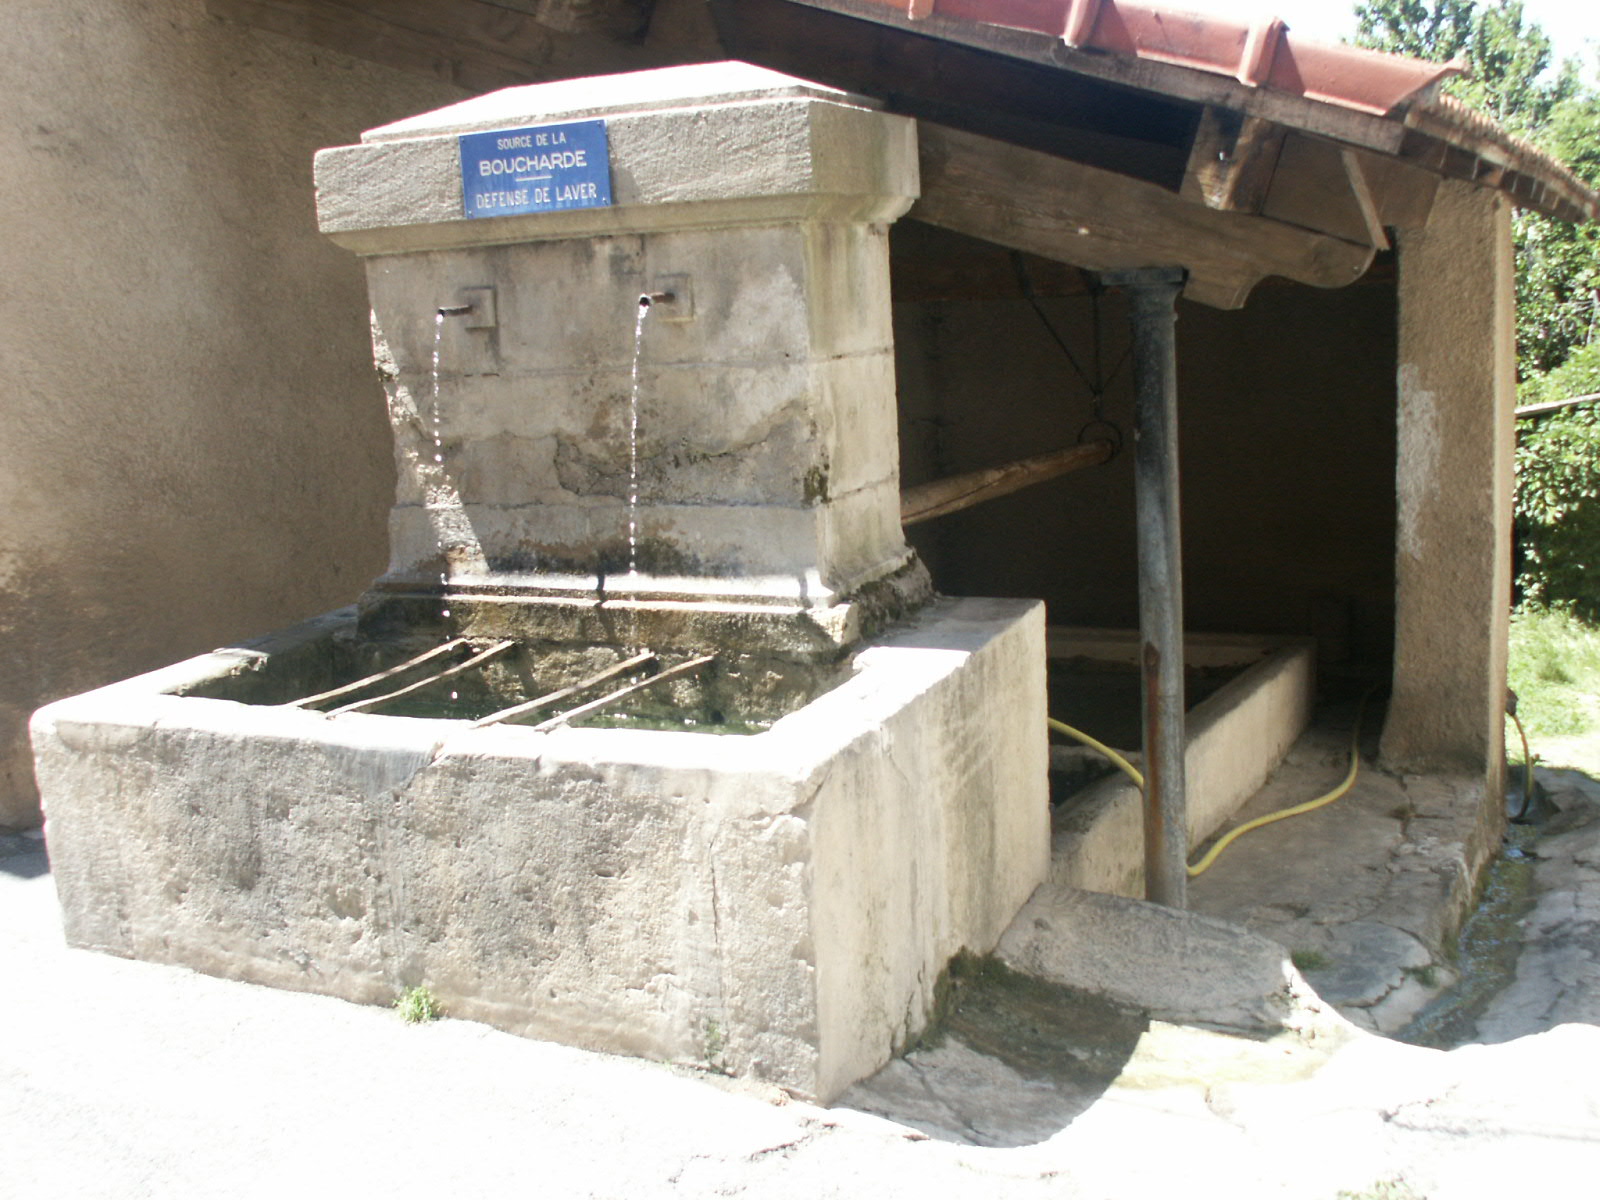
[1026, 104]
[475, 44]
[1141, 74]
[1404, 193]
[943, 496]
[1102, 221]
[1361, 191]
[612, 18]
[927, 263]
[1232, 160]
[1347, 193]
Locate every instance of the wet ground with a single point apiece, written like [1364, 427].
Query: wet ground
[127, 1079]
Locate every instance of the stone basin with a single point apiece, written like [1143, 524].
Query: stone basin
[779, 905]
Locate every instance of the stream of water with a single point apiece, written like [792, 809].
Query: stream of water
[437, 416]
[633, 442]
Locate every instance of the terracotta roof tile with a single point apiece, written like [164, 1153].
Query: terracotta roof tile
[1257, 54]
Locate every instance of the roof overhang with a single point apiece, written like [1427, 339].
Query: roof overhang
[1384, 103]
[1104, 134]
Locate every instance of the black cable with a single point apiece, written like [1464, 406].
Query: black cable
[1028, 292]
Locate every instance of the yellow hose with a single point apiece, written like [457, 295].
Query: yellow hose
[1063, 727]
[1527, 768]
[1234, 834]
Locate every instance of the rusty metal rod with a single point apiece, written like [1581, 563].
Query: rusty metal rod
[349, 689]
[956, 492]
[583, 710]
[1154, 293]
[555, 697]
[481, 658]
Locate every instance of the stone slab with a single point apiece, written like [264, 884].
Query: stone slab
[737, 144]
[1176, 966]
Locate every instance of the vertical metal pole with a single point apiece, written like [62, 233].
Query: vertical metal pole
[1153, 293]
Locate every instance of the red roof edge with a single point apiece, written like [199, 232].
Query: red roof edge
[1260, 54]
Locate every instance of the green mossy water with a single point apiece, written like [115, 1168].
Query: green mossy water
[1486, 951]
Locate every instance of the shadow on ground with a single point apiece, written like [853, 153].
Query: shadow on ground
[1011, 1062]
[23, 856]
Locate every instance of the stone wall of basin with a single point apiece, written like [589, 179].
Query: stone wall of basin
[779, 905]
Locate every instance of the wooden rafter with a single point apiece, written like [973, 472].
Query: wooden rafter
[1102, 221]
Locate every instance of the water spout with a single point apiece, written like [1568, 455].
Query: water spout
[646, 299]
[455, 310]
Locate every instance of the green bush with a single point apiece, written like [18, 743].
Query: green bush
[1558, 491]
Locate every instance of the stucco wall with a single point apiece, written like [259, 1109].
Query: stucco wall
[195, 442]
[1457, 388]
[1287, 441]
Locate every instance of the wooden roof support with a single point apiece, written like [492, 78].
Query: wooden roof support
[1244, 164]
[1102, 221]
[956, 492]
[1361, 192]
[480, 45]
[1232, 160]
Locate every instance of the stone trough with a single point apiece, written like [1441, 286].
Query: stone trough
[643, 407]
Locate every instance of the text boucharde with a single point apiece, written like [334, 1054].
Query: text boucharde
[505, 172]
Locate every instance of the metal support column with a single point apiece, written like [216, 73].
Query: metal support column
[1153, 293]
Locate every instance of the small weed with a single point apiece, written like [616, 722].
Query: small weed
[416, 1005]
[1427, 976]
[1309, 960]
[715, 1041]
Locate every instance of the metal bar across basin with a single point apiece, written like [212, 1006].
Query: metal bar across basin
[555, 697]
[685, 668]
[479, 659]
[350, 689]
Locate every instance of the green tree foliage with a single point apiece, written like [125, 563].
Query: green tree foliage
[1508, 58]
[1558, 265]
[1558, 491]
[1511, 77]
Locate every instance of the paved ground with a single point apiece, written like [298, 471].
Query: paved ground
[129, 1080]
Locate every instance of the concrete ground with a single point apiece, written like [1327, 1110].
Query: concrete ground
[126, 1079]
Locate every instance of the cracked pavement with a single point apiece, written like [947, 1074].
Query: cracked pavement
[128, 1079]
[1366, 893]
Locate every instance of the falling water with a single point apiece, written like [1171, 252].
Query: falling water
[633, 443]
[438, 463]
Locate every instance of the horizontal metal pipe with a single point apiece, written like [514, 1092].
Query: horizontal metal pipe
[1549, 406]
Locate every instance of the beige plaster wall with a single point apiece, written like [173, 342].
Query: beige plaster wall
[1457, 388]
[1287, 440]
[195, 442]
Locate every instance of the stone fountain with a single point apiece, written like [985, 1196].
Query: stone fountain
[652, 738]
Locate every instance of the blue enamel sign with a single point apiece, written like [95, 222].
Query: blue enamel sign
[543, 169]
